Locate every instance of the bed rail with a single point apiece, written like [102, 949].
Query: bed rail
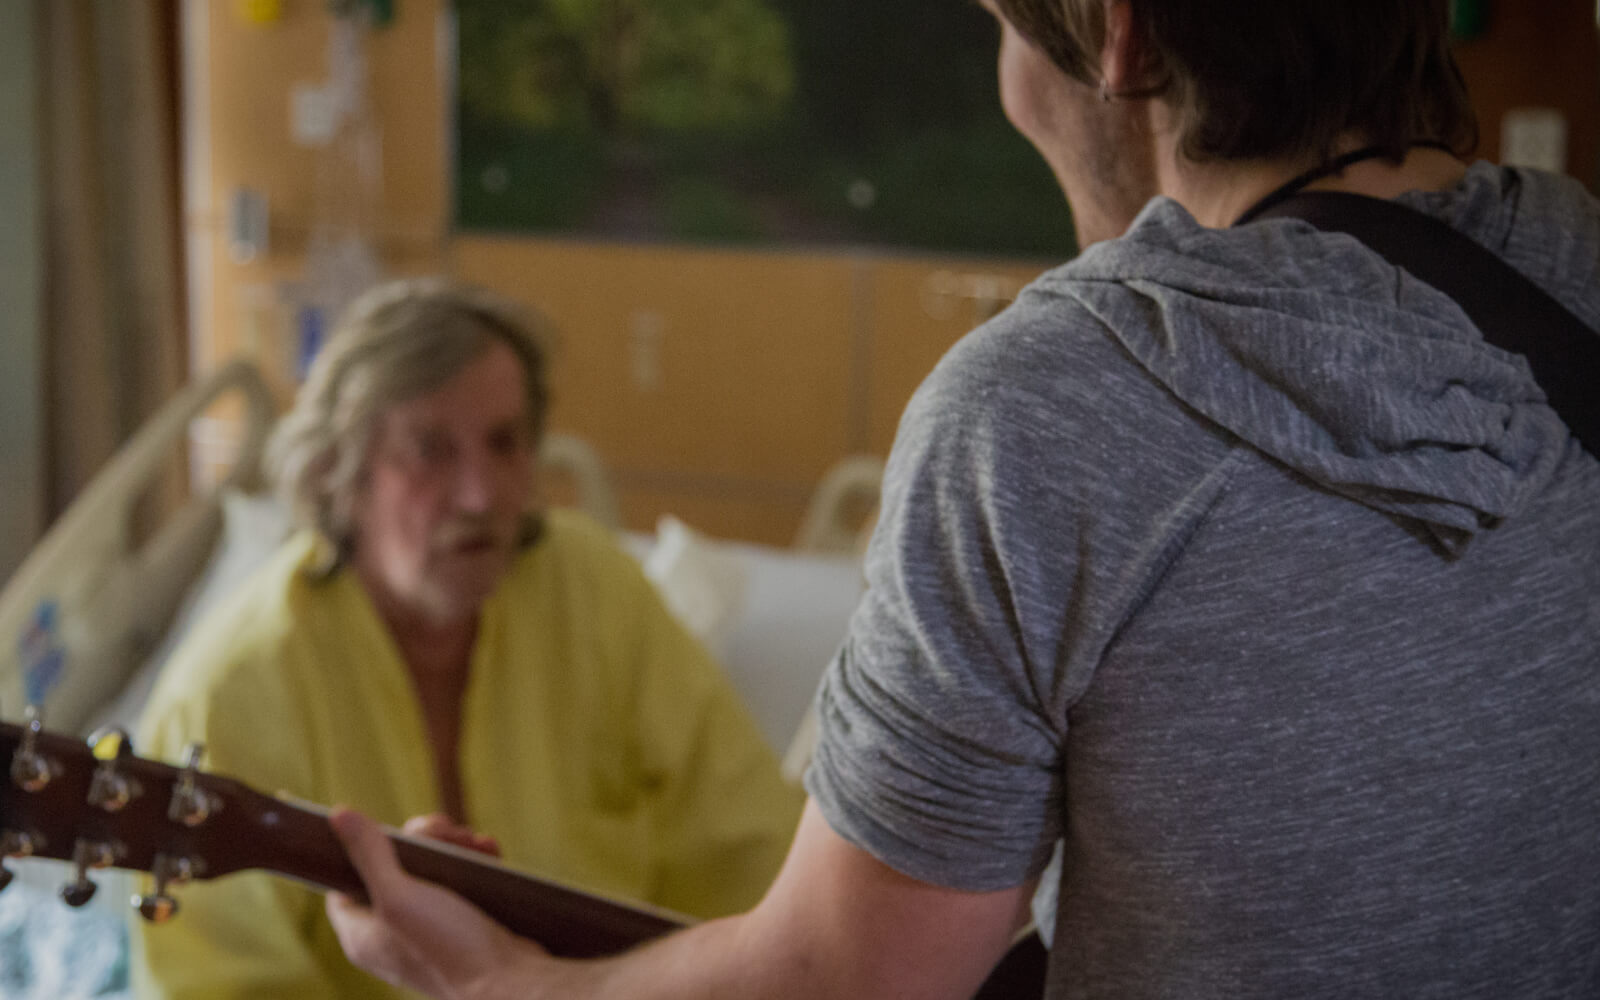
[86, 605]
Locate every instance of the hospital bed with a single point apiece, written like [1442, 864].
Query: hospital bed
[94, 611]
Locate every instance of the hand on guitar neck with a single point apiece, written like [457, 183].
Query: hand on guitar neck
[438, 826]
[469, 914]
[461, 943]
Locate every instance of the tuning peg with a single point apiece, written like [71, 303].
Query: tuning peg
[79, 892]
[191, 805]
[87, 854]
[16, 844]
[169, 870]
[31, 771]
[156, 908]
[110, 789]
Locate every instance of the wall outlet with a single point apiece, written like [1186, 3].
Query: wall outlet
[1534, 137]
[646, 329]
[249, 224]
[313, 115]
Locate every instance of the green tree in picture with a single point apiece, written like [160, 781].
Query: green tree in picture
[831, 122]
[624, 67]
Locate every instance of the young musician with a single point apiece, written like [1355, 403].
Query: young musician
[1231, 556]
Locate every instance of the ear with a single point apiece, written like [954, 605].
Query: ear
[1124, 57]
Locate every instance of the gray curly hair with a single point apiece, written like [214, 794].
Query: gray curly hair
[401, 340]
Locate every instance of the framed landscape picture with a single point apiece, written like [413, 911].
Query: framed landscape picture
[811, 123]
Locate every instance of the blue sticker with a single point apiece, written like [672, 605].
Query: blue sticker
[311, 335]
[43, 657]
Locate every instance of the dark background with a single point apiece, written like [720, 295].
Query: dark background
[842, 122]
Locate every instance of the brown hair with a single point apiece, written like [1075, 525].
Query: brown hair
[399, 341]
[1269, 79]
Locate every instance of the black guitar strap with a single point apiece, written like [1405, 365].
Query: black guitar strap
[1511, 311]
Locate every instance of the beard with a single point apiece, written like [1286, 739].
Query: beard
[467, 556]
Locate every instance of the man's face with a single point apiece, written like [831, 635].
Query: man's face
[1100, 152]
[446, 487]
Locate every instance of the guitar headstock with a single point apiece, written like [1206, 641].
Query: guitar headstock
[96, 805]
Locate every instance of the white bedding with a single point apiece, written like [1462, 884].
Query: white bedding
[772, 617]
[49, 951]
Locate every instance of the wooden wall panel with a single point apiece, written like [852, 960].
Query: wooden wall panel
[253, 72]
[697, 374]
[1539, 53]
[248, 73]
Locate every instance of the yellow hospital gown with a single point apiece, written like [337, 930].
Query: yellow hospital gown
[599, 743]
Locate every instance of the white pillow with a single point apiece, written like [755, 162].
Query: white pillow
[797, 609]
[701, 582]
[773, 617]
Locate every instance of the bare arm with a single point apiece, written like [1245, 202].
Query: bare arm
[837, 923]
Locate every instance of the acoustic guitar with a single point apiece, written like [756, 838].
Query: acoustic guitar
[97, 805]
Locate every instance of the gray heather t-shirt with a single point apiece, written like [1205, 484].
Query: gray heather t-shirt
[1238, 562]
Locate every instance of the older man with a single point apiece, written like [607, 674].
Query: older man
[1231, 556]
[433, 643]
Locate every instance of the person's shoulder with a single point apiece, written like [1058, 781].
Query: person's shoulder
[568, 536]
[576, 549]
[1053, 352]
[1037, 338]
[1545, 225]
[1518, 196]
[578, 574]
[266, 605]
[1056, 327]
[246, 632]
[570, 529]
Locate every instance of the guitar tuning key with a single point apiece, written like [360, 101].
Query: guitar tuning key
[159, 905]
[78, 892]
[192, 805]
[31, 771]
[16, 844]
[87, 854]
[110, 789]
[20, 844]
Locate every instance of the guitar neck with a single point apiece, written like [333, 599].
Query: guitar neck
[567, 921]
[55, 802]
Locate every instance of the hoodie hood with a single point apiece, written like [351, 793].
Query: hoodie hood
[1319, 353]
